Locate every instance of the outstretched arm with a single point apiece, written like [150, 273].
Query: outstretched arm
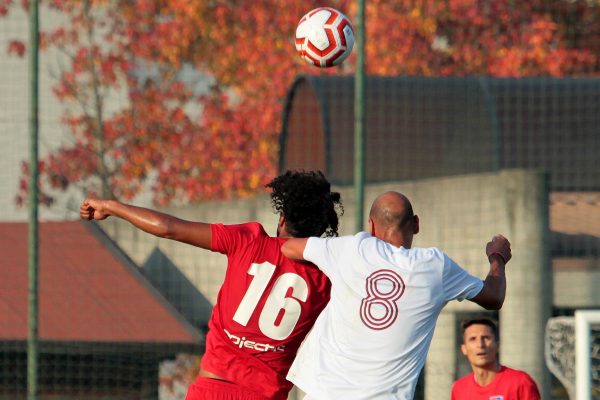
[491, 296]
[294, 248]
[154, 222]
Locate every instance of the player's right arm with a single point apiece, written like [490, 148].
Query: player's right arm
[491, 296]
[150, 221]
[294, 248]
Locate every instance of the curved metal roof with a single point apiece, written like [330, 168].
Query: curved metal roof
[420, 127]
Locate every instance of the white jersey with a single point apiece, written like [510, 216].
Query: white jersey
[371, 340]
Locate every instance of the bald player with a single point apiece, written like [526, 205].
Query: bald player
[371, 340]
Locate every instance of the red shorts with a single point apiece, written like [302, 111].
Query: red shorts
[215, 389]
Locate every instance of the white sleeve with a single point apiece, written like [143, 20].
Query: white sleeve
[458, 283]
[322, 253]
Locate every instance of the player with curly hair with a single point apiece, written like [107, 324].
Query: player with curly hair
[267, 303]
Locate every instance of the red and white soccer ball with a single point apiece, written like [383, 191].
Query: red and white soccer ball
[324, 37]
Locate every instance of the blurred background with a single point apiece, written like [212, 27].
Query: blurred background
[486, 113]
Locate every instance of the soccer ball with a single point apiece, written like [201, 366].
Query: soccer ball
[324, 37]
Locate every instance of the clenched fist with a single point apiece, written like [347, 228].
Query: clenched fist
[93, 209]
[499, 246]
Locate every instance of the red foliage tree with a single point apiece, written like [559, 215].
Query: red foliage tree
[493, 38]
[222, 142]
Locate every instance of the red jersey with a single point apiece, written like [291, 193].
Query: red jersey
[508, 384]
[264, 309]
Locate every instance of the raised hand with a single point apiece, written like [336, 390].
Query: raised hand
[499, 246]
[93, 209]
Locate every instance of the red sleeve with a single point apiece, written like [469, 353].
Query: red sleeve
[459, 389]
[528, 390]
[453, 395]
[228, 238]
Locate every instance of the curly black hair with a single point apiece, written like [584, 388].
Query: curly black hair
[307, 202]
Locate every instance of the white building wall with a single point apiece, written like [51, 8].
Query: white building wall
[15, 114]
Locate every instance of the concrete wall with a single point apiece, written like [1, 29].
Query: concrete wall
[577, 289]
[574, 225]
[459, 215]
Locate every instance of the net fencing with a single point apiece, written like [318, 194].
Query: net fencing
[450, 94]
[560, 351]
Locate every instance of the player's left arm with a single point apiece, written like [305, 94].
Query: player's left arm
[294, 248]
[493, 293]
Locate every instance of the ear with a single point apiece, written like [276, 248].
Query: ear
[281, 229]
[416, 225]
[463, 349]
[371, 227]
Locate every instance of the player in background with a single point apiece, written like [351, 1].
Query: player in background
[489, 379]
[267, 303]
[372, 339]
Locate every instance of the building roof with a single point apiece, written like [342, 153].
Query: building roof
[89, 290]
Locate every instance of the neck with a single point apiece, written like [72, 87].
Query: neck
[282, 232]
[486, 374]
[395, 238]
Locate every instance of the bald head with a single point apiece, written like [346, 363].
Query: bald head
[392, 218]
